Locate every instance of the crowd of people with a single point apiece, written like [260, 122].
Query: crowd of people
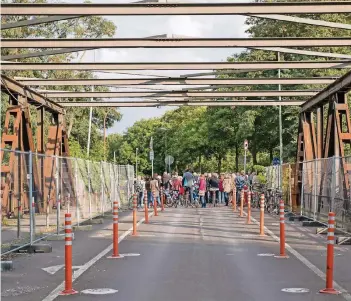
[204, 188]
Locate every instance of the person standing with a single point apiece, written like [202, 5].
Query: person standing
[226, 188]
[221, 189]
[214, 188]
[188, 183]
[155, 188]
[202, 190]
[239, 182]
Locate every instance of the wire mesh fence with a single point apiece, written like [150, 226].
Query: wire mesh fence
[325, 187]
[37, 190]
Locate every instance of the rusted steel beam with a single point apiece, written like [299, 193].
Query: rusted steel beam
[343, 84]
[177, 43]
[209, 94]
[9, 85]
[89, 9]
[174, 81]
[263, 65]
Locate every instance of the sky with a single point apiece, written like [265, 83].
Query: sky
[145, 26]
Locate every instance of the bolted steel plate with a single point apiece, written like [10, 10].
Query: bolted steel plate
[99, 291]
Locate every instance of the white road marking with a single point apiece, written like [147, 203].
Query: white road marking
[54, 294]
[306, 262]
[130, 254]
[146, 235]
[99, 291]
[296, 290]
[55, 268]
[265, 255]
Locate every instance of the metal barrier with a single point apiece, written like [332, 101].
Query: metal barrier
[325, 188]
[41, 189]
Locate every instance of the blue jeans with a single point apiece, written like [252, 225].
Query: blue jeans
[221, 197]
[140, 198]
[203, 201]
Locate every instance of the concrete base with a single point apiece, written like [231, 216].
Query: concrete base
[343, 240]
[6, 266]
[82, 228]
[57, 237]
[96, 221]
[35, 248]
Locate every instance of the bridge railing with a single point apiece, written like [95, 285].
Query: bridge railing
[326, 187]
[37, 190]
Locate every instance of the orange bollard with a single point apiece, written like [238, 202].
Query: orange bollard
[134, 233]
[262, 215]
[68, 257]
[242, 203]
[248, 220]
[282, 231]
[330, 257]
[115, 253]
[234, 199]
[155, 206]
[146, 208]
[162, 200]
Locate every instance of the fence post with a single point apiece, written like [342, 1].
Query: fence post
[333, 185]
[102, 189]
[290, 194]
[315, 190]
[89, 190]
[302, 188]
[77, 197]
[31, 198]
[58, 201]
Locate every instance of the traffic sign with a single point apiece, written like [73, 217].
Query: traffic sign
[152, 155]
[169, 160]
[246, 144]
[276, 161]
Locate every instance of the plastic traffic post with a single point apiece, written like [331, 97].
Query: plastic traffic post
[134, 233]
[234, 199]
[282, 231]
[68, 257]
[330, 256]
[248, 220]
[242, 203]
[155, 206]
[162, 200]
[146, 208]
[262, 215]
[115, 252]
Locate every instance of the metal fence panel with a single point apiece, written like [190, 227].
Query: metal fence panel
[41, 189]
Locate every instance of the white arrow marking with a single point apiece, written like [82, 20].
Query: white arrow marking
[55, 268]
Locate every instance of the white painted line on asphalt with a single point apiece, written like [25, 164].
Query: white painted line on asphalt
[265, 255]
[130, 254]
[146, 235]
[305, 261]
[296, 290]
[55, 293]
[99, 291]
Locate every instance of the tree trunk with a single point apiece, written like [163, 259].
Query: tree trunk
[254, 155]
[219, 164]
[236, 158]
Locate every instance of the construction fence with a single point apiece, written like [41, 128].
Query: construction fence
[325, 187]
[38, 190]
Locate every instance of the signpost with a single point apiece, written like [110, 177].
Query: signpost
[169, 160]
[246, 146]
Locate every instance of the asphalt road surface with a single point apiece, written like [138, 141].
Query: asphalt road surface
[203, 255]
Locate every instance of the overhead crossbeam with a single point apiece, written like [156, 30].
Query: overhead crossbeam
[305, 21]
[10, 86]
[210, 94]
[134, 104]
[174, 81]
[177, 43]
[263, 65]
[35, 21]
[108, 9]
[341, 85]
